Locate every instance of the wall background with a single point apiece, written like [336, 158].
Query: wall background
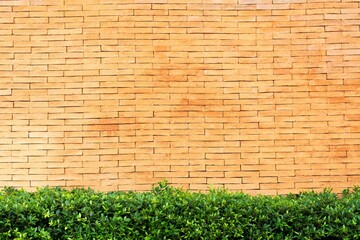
[254, 95]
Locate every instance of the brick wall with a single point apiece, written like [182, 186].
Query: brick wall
[254, 95]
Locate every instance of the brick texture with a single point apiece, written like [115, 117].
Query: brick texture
[254, 95]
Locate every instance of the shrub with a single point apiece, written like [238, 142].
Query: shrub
[171, 213]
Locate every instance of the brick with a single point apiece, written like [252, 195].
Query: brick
[5, 92]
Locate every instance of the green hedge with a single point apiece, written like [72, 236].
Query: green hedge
[171, 213]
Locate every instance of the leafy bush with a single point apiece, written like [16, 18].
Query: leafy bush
[171, 213]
